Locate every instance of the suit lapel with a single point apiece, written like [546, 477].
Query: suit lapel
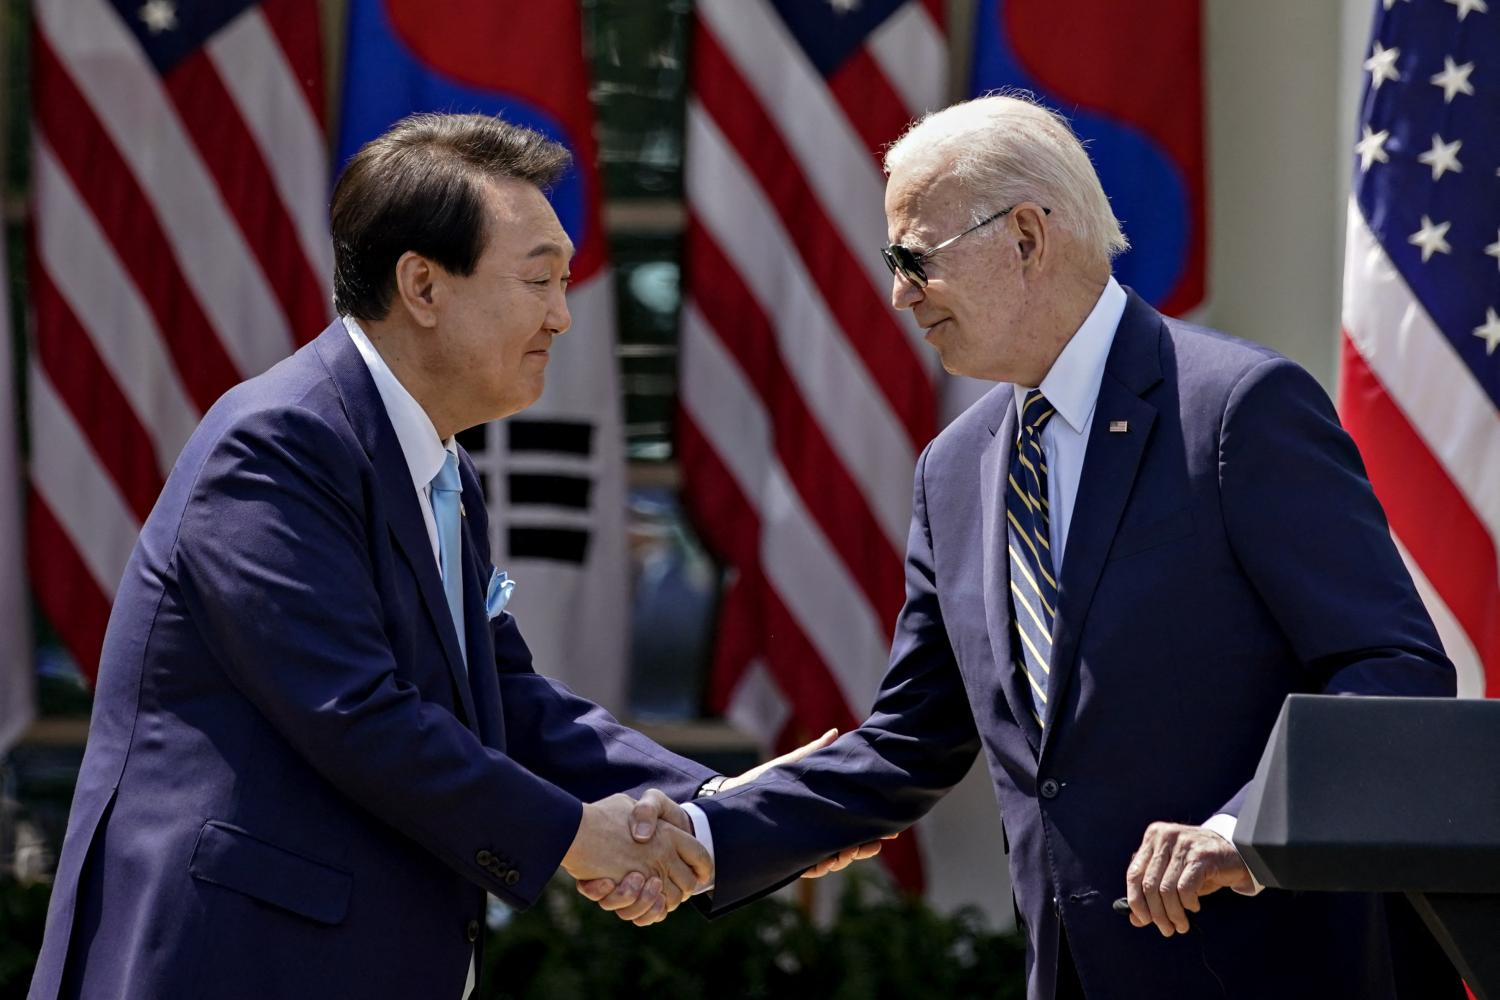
[994, 464]
[1109, 471]
[483, 681]
[368, 417]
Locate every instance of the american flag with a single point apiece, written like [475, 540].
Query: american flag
[1421, 315]
[180, 245]
[805, 399]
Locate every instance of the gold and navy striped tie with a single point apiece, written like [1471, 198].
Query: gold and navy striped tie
[1033, 587]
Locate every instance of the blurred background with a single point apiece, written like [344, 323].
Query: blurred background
[707, 509]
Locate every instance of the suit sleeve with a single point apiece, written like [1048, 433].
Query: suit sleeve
[918, 742]
[574, 743]
[272, 556]
[1313, 540]
[562, 737]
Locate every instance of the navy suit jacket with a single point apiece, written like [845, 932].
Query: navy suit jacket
[1226, 550]
[292, 786]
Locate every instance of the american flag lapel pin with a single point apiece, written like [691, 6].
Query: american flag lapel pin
[1119, 426]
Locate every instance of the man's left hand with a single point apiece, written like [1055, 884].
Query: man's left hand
[1175, 866]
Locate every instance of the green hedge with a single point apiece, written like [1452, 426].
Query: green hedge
[880, 945]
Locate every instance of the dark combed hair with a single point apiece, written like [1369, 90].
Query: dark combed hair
[417, 188]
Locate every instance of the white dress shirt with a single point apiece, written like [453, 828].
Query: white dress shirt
[423, 450]
[1072, 387]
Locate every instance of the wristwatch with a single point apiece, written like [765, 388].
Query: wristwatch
[710, 787]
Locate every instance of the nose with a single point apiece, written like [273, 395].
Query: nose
[904, 293]
[559, 319]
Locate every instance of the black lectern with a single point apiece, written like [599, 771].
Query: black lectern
[1382, 795]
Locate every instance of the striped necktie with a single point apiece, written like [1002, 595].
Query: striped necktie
[446, 489]
[1033, 587]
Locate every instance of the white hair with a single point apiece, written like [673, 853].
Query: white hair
[1006, 148]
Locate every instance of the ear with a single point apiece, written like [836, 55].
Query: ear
[416, 277]
[1031, 234]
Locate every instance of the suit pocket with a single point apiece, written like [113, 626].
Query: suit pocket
[230, 857]
[1132, 539]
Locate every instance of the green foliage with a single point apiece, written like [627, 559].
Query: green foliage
[880, 946]
[23, 912]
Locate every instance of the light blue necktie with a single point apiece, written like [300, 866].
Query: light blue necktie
[446, 489]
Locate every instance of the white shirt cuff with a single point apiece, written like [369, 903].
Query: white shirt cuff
[1223, 824]
[704, 835]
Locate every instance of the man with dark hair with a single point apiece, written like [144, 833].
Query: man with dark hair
[317, 736]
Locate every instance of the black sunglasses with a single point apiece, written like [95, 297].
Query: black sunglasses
[908, 263]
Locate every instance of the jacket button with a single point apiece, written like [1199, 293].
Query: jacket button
[484, 858]
[1050, 788]
[472, 931]
[512, 877]
[1057, 905]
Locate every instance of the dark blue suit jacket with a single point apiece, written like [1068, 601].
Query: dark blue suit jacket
[292, 788]
[1225, 551]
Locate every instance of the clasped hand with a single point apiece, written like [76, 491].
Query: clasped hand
[645, 898]
[661, 863]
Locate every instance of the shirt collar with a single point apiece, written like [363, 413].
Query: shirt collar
[419, 441]
[1072, 385]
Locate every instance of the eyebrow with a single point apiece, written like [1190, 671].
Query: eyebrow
[549, 248]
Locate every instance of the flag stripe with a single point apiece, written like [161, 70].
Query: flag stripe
[91, 281]
[90, 508]
[836, 387]
[798, 560]
[874, 108]
[913, 54]
[233, 157]
[804, 395]
[87, 389]
[822, 145]
[133, 109]
[1433, 520]
[64, 586]
[1466, 661]
[180, 231]
[121, 211]
[875, 335]
[831, 496]
[257, 70]
[1420, 371]
[289, 21]
[791, 658]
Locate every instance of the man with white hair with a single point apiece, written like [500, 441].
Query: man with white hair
[1122, 560]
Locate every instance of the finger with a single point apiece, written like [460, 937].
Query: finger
[656, 914]
[681, 879]
[1151, 888]
[596, 889]
[864, 852]
[795, 755]
[1140, 913]
[625, 894]
[1171, 874]
[1190, 884]
[644, 814]
[818, 870]
[650, 896]
[692, 851]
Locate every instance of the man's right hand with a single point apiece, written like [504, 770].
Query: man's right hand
[665, 870]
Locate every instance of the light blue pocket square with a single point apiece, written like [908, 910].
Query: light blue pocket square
[497, 594]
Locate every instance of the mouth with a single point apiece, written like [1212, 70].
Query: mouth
[928, 331]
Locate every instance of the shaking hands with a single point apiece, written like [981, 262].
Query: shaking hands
[658, 865]
[645, 896]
